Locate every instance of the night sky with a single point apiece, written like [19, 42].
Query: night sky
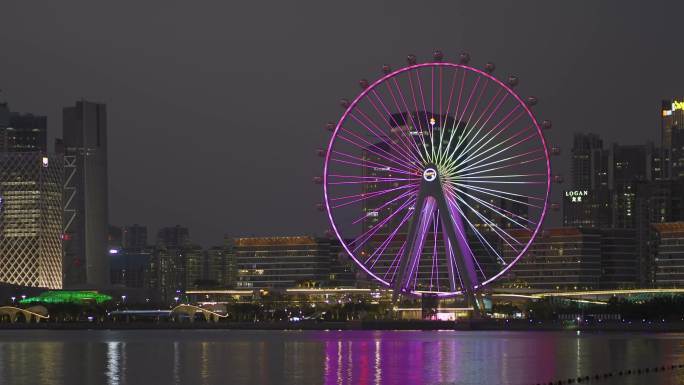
[216, 108]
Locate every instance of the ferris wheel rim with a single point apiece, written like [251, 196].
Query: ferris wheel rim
[351, 106]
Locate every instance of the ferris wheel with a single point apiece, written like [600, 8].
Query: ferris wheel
[437, 177]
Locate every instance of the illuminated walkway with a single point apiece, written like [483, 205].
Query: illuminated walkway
[595, 294]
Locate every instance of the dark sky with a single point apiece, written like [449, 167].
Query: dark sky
[216, 108]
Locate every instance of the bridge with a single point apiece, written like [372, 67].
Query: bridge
[31, 314]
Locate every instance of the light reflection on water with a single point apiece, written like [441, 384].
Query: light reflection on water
[332, 358]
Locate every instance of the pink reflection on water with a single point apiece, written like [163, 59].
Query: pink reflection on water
[370, 360]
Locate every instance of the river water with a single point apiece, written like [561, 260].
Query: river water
[332, 357]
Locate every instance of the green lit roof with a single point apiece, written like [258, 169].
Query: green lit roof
[64, 296]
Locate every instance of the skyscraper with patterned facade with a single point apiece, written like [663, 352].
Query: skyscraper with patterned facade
[30, 203]
[31, 219]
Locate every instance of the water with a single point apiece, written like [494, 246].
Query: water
[333, 357]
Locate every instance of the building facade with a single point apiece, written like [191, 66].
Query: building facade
[173, 236]
[220, 266]
[31, 219]
[282, 262]
[558, 259]
[668, 254]
[135, 237]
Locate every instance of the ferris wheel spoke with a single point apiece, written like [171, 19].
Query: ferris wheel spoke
[489, 117]
[371, 178]
[475, 107]
[388, 158]
[507, 159]
[418, 127]
[486, 221]
[367, 162]
[363, 238]
[408, 148]
[417, 243]
[435, 268]
[402, 133]
[439, 82]
[382, 168]
[422, 98]
[455, 123]
[406, 194]
[492, 192]
[499, 211]
[498, 176]
[513, 164]
[396, 156]
[395, 262]
[489, 136]
[466, 249]
[478, 153]
[353, 198]
[418, 117]
[459, 118]
[399, 150]
[504, 149]
[454, 273]
[495, 208]
[381, 249]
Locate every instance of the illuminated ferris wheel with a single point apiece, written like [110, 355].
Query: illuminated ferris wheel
[437, 177]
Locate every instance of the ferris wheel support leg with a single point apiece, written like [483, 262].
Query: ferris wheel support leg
[463, 255]
[408, 262]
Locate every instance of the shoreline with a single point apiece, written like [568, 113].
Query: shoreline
[482, 325]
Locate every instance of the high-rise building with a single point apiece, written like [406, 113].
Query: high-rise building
[631, 165]
[31, 219]
[26, 132]
[166, 274]
[589, 168]
[192, 257]
[220, 266]
[672, 113]
[587, 203]
[173, 237]
[676, 154]
[22, 132]
[86, 200]
[588, 208]
[135, 236]
[672, 136]
[114, 238]
[131, 267]
[173, 270]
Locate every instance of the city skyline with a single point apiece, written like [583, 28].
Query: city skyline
[136, 73]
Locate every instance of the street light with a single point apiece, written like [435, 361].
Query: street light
[13, 299]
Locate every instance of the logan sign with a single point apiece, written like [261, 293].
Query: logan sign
[576, 195]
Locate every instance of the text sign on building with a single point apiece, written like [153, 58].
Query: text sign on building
[576, 195]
